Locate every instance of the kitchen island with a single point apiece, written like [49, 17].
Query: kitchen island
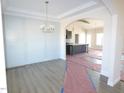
[72, 49]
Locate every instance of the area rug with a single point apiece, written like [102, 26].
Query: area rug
[94, 56]
[82, 60]
[77, 80]
[95, 53]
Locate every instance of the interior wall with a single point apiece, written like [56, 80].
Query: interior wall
[119, 42]
[3, 86]
[118, 7]
[27, 44]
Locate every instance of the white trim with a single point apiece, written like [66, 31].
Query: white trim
[63, 58]
[104, 73]
[21, 11]
[112, 83]
[3, 84]
[42, 61]
[36, 15]
[81, 15]
[91, 3]
[27, 15]
[108, 5]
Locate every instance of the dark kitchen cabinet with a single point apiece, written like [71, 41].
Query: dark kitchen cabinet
[76, 49]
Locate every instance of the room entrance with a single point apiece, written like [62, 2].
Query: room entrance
[84, 43]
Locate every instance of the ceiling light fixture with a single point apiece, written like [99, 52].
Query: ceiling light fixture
[47, 27]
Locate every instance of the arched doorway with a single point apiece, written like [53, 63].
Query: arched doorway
[84, 43]
[110, 24]
[99, 14]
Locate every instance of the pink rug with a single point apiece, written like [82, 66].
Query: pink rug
[77, 80]
[122, 62]
[82, 61]
[95, 54]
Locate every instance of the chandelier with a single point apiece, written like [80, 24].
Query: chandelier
[47, 27]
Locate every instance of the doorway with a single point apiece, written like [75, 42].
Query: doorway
[84, 43]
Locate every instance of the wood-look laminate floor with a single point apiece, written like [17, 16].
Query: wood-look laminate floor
[44, 77]
[100, 83]
[48, 77]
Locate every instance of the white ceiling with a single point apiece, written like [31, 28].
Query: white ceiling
[57, 8]
[93, 23]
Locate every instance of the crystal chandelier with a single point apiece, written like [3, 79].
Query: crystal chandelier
[47, 27]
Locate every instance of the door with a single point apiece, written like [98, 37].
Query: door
[3, 85]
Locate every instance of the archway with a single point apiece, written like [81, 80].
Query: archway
[110, 23]
[101, 14]
[84, 43]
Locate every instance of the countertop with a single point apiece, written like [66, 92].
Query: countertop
[76, 44]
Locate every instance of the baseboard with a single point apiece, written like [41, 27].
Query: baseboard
[43, 61]
[110, 83]
[104, 73]
[63, 58]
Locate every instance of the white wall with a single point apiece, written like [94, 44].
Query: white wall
[26, 43]
[118, 37]
[118, 7]
[3, 87]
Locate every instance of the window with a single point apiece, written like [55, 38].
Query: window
[99, 39]
[88, 41]
[82, 38]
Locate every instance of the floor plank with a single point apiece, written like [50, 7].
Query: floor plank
[47, 77]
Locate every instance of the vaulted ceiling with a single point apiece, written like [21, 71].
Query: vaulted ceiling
[57, 8]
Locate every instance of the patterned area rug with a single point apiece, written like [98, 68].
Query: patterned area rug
[77, 79]
[95, 54]
[85, 61]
